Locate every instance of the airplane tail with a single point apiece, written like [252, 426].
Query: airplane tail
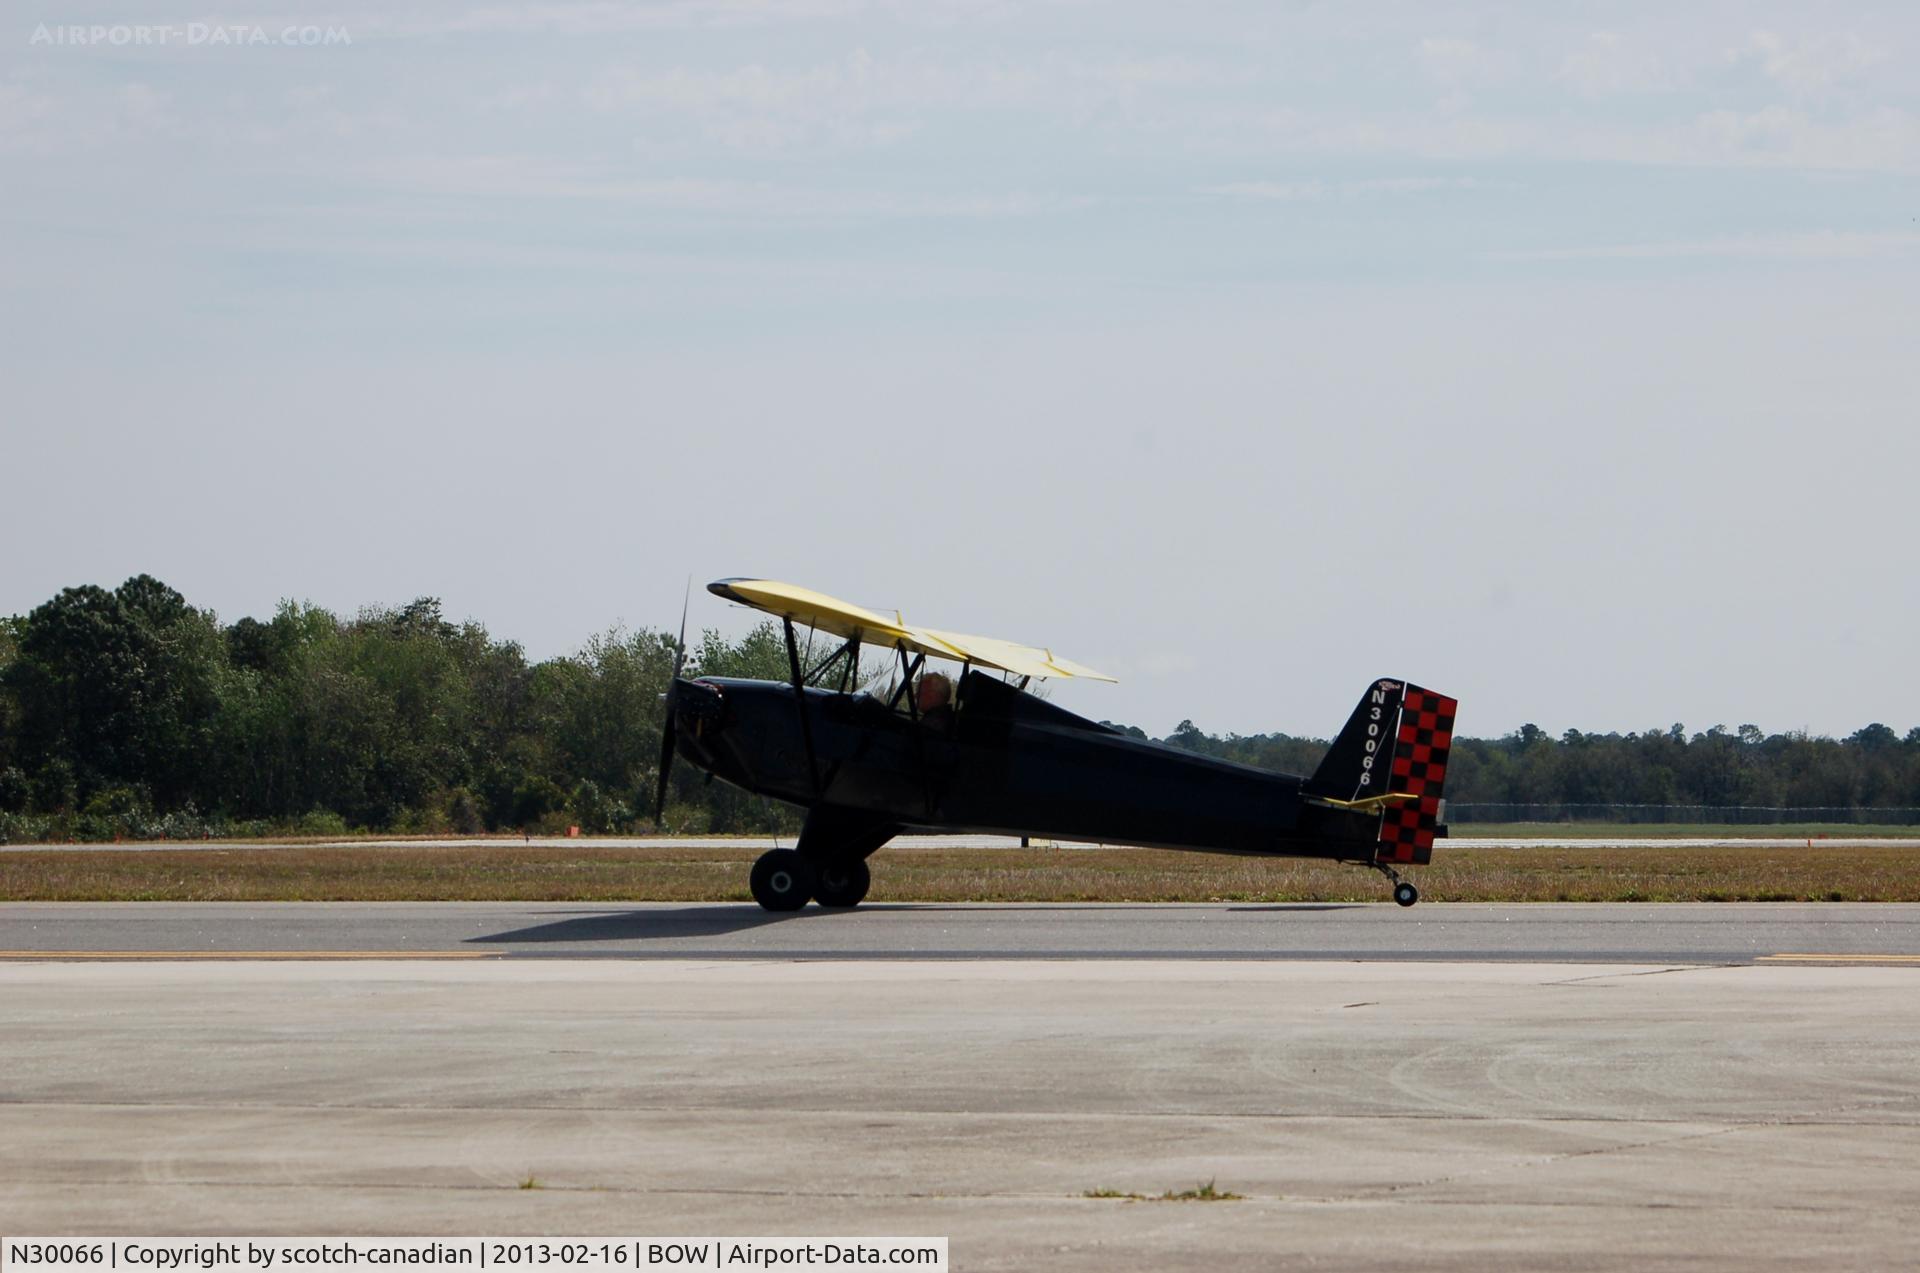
[1391, 761]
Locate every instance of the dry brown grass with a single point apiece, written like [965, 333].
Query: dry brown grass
[1684, 830]
[513, 872]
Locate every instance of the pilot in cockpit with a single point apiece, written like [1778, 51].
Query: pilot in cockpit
[933, 699]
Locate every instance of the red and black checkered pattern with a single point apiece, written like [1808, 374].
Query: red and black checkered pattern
[1419, 769]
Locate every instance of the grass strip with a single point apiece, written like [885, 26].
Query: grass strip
[485, 871]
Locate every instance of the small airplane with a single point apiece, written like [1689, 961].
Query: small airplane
[981, 755]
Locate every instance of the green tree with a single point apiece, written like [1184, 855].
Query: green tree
[10, 629]
[602, 713]
[123, 687]
[760, 655]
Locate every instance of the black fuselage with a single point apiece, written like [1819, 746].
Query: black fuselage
[1000, 761]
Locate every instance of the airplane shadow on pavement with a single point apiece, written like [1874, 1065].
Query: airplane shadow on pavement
[656, 923]
[652, 924]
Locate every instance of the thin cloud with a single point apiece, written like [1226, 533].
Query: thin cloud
[1450, 60]
[594, 17]
[539, 178]
[1608, 64]
[609, 17]
[861, 81]
[1812, 66]
[1315, 190]
[1815, 245]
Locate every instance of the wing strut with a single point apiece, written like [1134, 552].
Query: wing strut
[908, 670]
[848, 650]
[800, 702]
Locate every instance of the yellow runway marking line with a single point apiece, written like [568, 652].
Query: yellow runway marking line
[1846, 959]
[57, 955]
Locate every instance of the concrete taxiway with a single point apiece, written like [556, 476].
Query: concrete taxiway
[1579, 932]
[1383, 1114]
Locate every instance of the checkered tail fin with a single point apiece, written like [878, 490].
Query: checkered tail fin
[1421, 744]
[1392, 757]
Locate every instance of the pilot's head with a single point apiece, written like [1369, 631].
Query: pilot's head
[934, 690]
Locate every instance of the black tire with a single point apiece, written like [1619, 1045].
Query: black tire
[1405, 893]
[842, 883]
[782, 880]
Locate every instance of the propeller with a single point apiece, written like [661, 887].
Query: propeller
[673, 692]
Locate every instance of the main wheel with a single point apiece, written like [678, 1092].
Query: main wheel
[782, 880]
[842, 883]
[1405, 893]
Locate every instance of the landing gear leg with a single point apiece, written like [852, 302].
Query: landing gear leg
[835, 843]
[1403, 892]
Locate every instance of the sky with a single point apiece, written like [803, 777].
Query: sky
[1560, 358]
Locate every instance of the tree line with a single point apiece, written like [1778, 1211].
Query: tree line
[131, 712]
[1744, 773]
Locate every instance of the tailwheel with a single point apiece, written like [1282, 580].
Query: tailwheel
[782, 880]
[1403, 892]
[842, 883]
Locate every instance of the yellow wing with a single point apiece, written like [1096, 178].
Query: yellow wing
[844, 619]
